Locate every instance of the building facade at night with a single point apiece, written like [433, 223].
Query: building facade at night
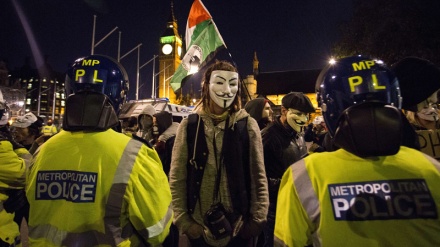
[42, 91]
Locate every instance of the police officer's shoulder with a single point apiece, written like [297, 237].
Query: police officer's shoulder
[147, 143]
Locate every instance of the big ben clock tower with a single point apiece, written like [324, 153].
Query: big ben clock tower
[169, 58]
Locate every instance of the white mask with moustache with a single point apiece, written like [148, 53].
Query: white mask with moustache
[296, 119]
[223, 87]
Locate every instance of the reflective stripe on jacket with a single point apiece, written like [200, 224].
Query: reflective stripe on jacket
[97, 189]
[339, 199]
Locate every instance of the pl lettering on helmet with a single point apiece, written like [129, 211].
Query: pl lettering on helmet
[100, 74]
[351, 81]
[355, 81]
[81, 73]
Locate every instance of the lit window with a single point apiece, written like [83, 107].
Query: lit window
[28, 101]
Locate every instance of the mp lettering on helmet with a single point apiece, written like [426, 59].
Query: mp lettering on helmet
[82, 72]
[367, 64]
[356, 81]
[90, 62]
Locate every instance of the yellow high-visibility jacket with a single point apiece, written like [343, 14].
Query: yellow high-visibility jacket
[12, 176]
[97, 189]
[339, 199]
[49, 130]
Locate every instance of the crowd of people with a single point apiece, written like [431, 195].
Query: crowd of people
[355, 174]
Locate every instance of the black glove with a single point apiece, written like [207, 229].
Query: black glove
[5, 134]
[2, 137]
[251, 229]
[17, 199]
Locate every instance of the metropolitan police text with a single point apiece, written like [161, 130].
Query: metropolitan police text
[71, 186]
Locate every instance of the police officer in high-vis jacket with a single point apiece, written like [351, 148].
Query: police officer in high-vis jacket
[372, 191]
[89, 185]
[14, 159]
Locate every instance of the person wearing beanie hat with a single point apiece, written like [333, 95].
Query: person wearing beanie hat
[26, 129]
[284, 144]
[260, 110]
[145, 123]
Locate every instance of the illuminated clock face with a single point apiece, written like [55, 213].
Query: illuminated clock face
[167, 49]
[179, 50]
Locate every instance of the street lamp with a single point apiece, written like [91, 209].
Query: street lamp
[164, 80]
[137, 68]
[93, 35]
[152, 86]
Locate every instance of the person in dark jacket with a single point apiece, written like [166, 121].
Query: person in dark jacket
[283, 144]
[260, 110]
[164, 132]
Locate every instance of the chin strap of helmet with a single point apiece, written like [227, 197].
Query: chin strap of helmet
[90, 111]
[370, 129]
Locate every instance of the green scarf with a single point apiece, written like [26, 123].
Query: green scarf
[217, 118]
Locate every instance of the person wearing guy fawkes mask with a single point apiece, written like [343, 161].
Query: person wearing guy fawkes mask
[425, 115]
[145, 123]
[219, 170]
[419, 81]
[283, 143]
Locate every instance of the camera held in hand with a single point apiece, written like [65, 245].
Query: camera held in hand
[215, 219]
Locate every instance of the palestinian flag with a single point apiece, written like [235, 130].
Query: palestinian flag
[203, 41]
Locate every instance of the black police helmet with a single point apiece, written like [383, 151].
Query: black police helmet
[351, 81]
[100, 74]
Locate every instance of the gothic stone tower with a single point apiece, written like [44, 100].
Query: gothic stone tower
[169, 58]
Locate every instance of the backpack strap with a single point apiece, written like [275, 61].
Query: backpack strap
[236, 160]
[197, 157]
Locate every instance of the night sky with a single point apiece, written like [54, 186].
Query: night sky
[286, 34]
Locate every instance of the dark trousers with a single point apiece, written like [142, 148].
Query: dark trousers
[269, 228]
[235, 242]
[172, 240]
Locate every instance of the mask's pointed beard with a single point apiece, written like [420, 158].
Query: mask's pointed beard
[224, 103]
